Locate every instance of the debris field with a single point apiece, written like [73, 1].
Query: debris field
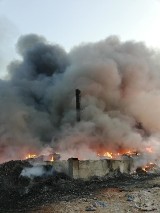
[59, 193]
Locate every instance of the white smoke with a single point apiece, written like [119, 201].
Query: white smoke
[32, 172]
[35, 171]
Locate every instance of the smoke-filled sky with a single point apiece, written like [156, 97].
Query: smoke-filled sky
[119, 80]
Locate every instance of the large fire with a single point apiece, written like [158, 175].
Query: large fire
[117, 155]
[104, 154]
[100, 153]
[148, 151]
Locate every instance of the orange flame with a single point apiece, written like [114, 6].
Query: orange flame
[52, 159]
[29, 156]
[148, 167]
[108, 154]
[114, 155]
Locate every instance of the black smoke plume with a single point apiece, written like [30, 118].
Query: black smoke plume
[120, 94]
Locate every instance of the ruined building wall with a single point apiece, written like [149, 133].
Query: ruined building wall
[88, 168]
[61, 166]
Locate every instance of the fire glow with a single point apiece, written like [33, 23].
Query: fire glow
[30, 156]
[114, 155]
[149, 149]
[50, 157]
[121, 154]
[124, 152]
[108, 154]
[148, 167]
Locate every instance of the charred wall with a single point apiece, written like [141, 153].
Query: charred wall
[86, 169]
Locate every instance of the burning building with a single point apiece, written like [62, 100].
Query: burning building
[119, 84]
[81, 169]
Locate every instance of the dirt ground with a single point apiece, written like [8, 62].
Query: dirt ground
[143, 197]
[58, 193]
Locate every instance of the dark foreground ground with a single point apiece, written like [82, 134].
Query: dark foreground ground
[59, 193]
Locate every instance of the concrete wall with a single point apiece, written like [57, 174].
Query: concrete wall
[100, 168]
[88, 168]
[61, 166]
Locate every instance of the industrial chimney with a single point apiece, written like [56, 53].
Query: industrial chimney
[78, 104]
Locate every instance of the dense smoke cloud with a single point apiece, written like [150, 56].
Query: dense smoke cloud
[120, 85]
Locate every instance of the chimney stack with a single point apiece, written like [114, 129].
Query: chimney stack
[78, 104]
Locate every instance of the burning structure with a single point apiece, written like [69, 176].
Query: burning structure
[119, 84]
[82, 169]
[86, 169]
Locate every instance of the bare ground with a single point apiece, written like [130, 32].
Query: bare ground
[58, 193]
[143, 197]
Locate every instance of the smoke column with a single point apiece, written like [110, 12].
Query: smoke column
[120, 98]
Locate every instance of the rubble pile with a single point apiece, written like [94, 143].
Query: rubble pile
[19, 192]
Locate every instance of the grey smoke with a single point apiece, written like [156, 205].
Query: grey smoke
[120, 85]
[35, 171]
